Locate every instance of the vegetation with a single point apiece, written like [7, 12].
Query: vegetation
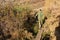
[16, 23]
[18, 20]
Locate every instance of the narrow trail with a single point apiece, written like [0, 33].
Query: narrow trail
[38, 37]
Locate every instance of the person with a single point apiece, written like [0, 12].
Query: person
[40, 18]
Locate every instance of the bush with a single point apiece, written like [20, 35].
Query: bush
[13, 20]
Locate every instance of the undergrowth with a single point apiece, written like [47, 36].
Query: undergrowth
[16, 24]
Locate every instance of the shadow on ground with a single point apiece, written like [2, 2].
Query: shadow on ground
[57, 31]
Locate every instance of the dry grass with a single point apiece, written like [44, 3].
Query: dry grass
[16, 22]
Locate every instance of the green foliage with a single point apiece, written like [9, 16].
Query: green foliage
[35, 29]
[21, 9]
[18, 9]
